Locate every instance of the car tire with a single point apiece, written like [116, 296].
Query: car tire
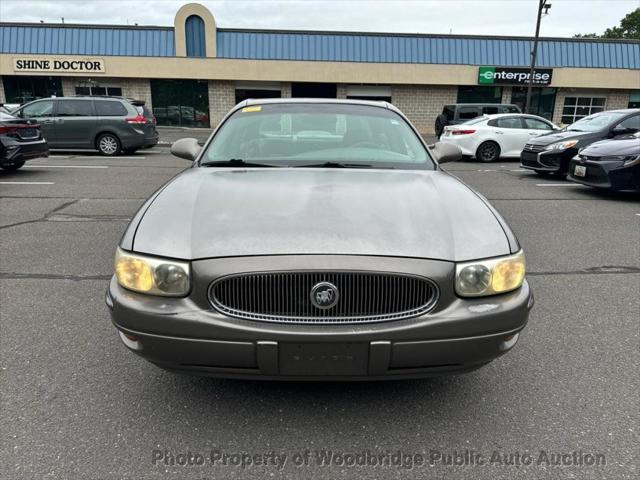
[488, 152]
[108, 144]
[12, 167]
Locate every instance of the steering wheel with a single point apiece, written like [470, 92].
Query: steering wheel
[365, 144]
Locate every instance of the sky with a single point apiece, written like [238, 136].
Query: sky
[479, 17]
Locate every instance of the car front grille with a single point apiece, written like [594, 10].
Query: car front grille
[286, 297]
[533, 148]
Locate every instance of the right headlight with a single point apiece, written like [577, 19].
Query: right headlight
[561, 145]
[152, 275]
[490, 277]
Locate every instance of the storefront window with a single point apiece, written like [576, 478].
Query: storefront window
[180, 102]
[634, 99]
[19, 89]
[543, 100]
[576, 108]
[479, 95]
[99, 91]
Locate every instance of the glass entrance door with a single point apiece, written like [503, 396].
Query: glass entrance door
[543, 99]
[180, 102]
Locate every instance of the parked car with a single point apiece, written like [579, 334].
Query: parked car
[463, 112]
[19, 141]
[490, 137]
[611, 164]
[552, 153]
[111, 125]
[9, 107]
[318, 239]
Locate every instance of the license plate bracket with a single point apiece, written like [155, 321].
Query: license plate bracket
[310, 359]
[580, 171]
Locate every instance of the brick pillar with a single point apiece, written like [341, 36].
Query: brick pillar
[3, 98]
[341, 90]
[138, 88]
[423, 103]
[222, 98]
[285, 90]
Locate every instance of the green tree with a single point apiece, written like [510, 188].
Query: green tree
[629, 28]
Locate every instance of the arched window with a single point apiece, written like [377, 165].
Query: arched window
[194, 33]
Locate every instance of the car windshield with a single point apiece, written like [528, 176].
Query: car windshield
[317, 134]
[594, 123]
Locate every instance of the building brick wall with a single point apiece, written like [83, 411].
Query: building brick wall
[341, 90]
[615, 99]
[222, 98]
[3, 98]
[423, 103]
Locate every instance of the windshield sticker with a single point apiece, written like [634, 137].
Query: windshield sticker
[253, 108]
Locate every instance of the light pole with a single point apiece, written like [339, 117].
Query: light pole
[542, 5]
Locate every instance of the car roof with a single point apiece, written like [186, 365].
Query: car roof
[299, 100]
[514, 114]
[481, 105]
[622, 110]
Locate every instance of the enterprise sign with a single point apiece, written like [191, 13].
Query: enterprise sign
[59, 65]
[513, 76]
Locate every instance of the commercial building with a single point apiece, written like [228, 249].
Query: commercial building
[192, 73]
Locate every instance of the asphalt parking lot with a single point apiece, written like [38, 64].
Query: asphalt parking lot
[77, 405]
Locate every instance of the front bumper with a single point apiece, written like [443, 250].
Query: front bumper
[186, 334]
[545, 161]
[611, 175]
[14, 151]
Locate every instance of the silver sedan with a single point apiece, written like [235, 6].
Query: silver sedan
[314, 240]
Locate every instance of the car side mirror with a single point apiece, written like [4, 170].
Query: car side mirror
[187, 148]
[446, 152]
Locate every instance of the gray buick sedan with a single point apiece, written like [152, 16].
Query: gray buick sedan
[318, 240]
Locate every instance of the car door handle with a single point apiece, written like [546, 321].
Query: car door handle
[498, 132]
[534, 133]
[59, 120]
[46, 121]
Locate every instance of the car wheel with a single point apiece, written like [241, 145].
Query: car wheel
[12, 167]
[108, 144]
[488, 152]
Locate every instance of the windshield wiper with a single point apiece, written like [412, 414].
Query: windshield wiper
[236, 162]
[335, 165]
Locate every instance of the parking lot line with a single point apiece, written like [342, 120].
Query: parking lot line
[58, 156]
[27, 183]
[65, 166]
[87, 157]
[559, 185]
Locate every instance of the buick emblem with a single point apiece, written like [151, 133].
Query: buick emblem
[324, 295]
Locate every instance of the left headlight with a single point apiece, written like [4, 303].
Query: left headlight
[490, 277]
[155, 276]
[561, 145]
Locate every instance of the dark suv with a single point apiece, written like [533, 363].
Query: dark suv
[111, 125]
[552, 153]
[462, 112]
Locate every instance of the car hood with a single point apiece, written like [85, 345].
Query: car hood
[221, 212]
[550, 138]
[627, 146]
